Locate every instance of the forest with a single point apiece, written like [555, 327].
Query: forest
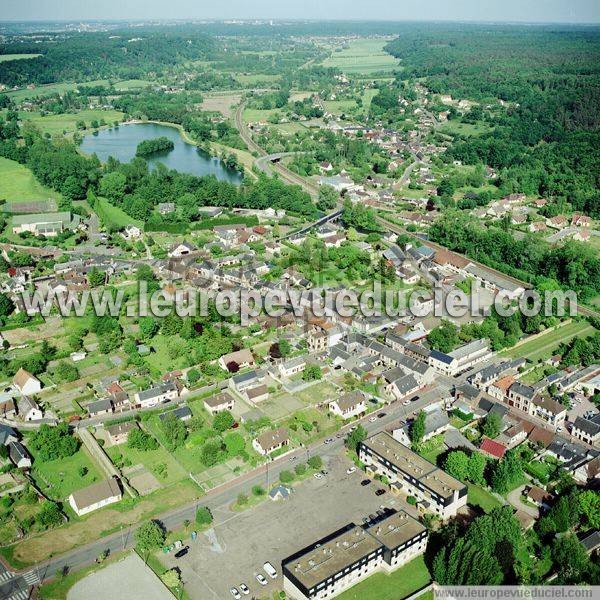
[546, 141]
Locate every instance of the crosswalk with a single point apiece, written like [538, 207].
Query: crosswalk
[20, 595]
[31, 577]
[6, 576]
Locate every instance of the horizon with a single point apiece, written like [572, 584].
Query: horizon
[577, 12]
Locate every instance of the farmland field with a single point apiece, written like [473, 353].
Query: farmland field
[51, 88]
[363, 56]
[19, 183]
[58, 124]
[7, 57]
[545, 345]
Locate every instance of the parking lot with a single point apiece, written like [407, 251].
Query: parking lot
[234, 551]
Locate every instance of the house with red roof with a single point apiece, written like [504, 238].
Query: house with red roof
[493, 448]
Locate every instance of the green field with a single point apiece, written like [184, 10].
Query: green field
[7, 57]
[113, 216]
[456, 127]
[477, 496]
[59, 478]
[59, 124]
[159, 462]
[51, 88]
[17, 183]
[399, 584]
[545, 345]
[363, 56]
[253, 115]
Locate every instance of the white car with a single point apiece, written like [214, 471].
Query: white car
[350, 470]
[244, 589]
[373, 419]
[270, 570]
[329, 440]
[261, 579]
[406, 403]
[235, 593]
[317, 475]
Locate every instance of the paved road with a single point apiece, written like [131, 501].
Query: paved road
[265, 476]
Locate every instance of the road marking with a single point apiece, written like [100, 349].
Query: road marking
[31, 577]
[6, 576]
[20, 595]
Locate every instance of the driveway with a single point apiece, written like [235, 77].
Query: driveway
[514, 499]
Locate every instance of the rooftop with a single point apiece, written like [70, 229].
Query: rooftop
[407, 461]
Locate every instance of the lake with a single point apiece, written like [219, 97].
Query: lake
[121, 143]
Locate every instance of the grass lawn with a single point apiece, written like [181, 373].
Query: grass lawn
[544, 346]
[399, 584]
[159, 462]
[363, 56]
[477, 496]
[58, 478]
[17, 183]
[337, 107]
[112, 215]
[7, 57]
[59, 124]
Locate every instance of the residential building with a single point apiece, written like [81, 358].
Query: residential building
[157, 395]
[270, 441]
[183, 413]
[410, 474]
[19, 455]
[7, 435]
[26, 383]
[492, 448]
[96, 496]
[461, 359]
[29, 409]
[347, 406]
[219, 403]
[100, 407]
[117, 434]
[347, 556]
[242, 358]
[587, 430]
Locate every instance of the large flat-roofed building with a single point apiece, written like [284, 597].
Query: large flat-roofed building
[350, 554]
[48, 224]
[412, 475]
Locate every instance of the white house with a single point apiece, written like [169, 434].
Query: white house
[349, 405]
[157, 395]
[26, 383]
[270, 441]
[95, 496]
[29, 409]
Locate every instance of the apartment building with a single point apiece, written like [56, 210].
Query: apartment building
[349, 555]
[410, 474]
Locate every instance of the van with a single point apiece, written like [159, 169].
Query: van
[270, 570]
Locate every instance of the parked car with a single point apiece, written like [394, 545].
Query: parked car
[182, 552]
[406, 403]
[381, 415]
[244, 589]
[350, 470]
[372, 517]
[414, 398]
[261, 579]
[373, 419]
[380, 492]
[235, 593]
[317, 475]
[270, 570]
[365, 482]
[329, 440]
[324, 472]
